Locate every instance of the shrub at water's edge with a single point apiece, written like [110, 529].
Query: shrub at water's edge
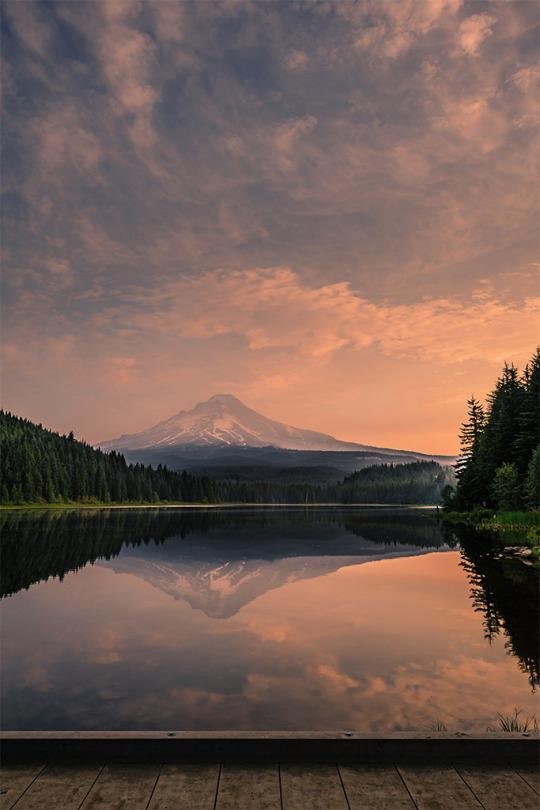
[518, 529]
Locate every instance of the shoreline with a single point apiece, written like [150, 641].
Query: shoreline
[228, 505]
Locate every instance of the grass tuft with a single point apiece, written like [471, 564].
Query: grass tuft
[513, 722]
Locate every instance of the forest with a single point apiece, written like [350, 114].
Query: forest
[499, 464]
[40, 466]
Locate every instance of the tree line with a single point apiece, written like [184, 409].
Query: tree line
[40, 466]
[417, 482]
[499, 464]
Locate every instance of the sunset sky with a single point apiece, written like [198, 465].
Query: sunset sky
[328, 209]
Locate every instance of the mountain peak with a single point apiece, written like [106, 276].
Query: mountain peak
[224, 420]
[229, 400]
[224, 398]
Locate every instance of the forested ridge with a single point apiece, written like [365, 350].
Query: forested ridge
[499, 465]
[40, 466]
[418, 482]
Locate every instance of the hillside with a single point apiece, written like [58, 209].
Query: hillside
[40, 466]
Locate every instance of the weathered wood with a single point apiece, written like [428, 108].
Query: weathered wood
[531, 776]
[374, 787]
[500, 787]
[268, 747]
[122, 787]
[243, 787]
[431, 736]
[14, 781]
[59, 787]
[185, 787]
[317, 787]
[438, 788]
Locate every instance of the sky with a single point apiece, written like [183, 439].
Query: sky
[328, 209]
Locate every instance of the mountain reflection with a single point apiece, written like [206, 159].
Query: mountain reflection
[219, 560]
[37, 545]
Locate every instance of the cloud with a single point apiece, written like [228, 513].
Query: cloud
[287, 135]
[388, 30]
[296, 60]
[64, 139]
[473, 31]
[128, 60]
[30, 26]
[274, 309]
[169, 20]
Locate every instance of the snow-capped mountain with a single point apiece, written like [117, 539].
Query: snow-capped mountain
[224, 421]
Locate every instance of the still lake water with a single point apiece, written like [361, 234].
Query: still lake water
[316, 618]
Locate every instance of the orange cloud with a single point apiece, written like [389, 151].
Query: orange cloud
[473, 31]
[275, 309]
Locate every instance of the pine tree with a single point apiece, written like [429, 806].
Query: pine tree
[532, 481]
[505, 488]
[528, 434]
[498, 441]
[468, 470]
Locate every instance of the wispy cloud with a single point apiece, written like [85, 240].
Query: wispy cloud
[274, 309]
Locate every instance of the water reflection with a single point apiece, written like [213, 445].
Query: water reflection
[505, 592]
[37, 545]
[257, 619]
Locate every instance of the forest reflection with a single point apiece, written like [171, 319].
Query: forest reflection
[37, 545]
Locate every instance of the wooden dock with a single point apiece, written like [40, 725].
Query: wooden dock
[268, 787]
[397, 772]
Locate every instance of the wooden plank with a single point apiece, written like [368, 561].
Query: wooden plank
[438, 788]
[317, 787]
[531, 776]
[185, 787]
[432, 736]
[244, 787]
[268, 747]
[122, 787]
[499, 787]
[14, 781]
[59, 787]
[374, 787]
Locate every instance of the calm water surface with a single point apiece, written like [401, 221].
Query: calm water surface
[260, 619]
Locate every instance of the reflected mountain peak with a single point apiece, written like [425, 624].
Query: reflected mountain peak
[221, 590]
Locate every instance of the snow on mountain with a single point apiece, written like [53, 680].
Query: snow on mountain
[225, 421]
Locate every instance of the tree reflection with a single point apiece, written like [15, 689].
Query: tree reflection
[37, 544]
[505, 591]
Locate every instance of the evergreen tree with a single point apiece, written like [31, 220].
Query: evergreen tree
[497, 448]
[528, 426]
[505, 489]
[468, 472]
[498, 441]
[532, 481]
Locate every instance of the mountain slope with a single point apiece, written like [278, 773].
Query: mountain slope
[224, 421]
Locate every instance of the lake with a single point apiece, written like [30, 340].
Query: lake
[370, 619]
